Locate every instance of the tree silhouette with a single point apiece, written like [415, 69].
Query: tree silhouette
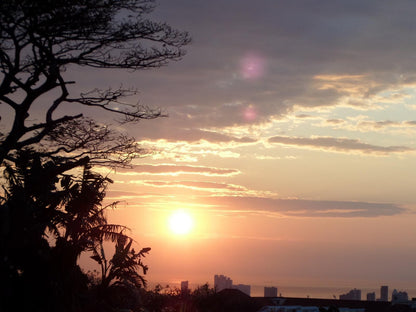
[50, 211]
[123, 268]
[120, 280]
[47, 221]
[41, 40]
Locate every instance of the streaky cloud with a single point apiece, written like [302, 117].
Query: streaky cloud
[196, 135]
[199, 185]
[305, 208]
[338, 145]
[174, 170]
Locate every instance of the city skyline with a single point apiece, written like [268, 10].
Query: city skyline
[222, 282]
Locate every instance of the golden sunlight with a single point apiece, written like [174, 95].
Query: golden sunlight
[180, 222]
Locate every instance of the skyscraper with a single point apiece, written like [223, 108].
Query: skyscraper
[184, 287]
[399, 296]
[222, 282]
[270, 291]
[371, 296]
[353, 294]
[384, 293]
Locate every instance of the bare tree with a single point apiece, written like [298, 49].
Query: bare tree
[40, 40]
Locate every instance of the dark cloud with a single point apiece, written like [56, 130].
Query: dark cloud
[335, 121]
[296, 41]
[386, 123]
[304, 116]
[379, 124]
[338, 144]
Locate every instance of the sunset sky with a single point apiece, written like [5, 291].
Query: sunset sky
[290, 142]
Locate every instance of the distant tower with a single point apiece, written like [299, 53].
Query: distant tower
[384, 293]
[371, 296]
[399, 296]
[222, 282]
[184, 287]
[270, 291]
[353, 294]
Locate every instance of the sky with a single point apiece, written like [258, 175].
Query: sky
[290, 142]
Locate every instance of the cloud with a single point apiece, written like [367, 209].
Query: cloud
[182, 151]
[175, 170]
[376, 125]
[338, 144]
[304, 116]
[335, 121]
[196, 135]
[345, 53]
[304, 208]
[120, 195]
[197, 185]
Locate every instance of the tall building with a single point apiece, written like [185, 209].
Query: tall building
[399, 296]
[270, 291]
[184, 287]
[243, 288]
[371, 296]
[353, 294]
[384, 293]
[222, 282]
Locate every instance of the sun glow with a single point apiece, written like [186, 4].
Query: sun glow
[181, 222]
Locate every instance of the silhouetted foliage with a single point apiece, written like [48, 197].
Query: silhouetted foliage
[48, 218]
[41, 40]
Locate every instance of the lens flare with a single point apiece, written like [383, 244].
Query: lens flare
[250, 113]
[252, 66]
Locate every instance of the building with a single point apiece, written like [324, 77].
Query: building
[270, 291]
[222, 282]
[353, 294]
[384, 293]
[371, 296]
[243, 288]
[399, 296]
[184, 287]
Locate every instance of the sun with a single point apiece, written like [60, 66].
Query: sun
[180, 222]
